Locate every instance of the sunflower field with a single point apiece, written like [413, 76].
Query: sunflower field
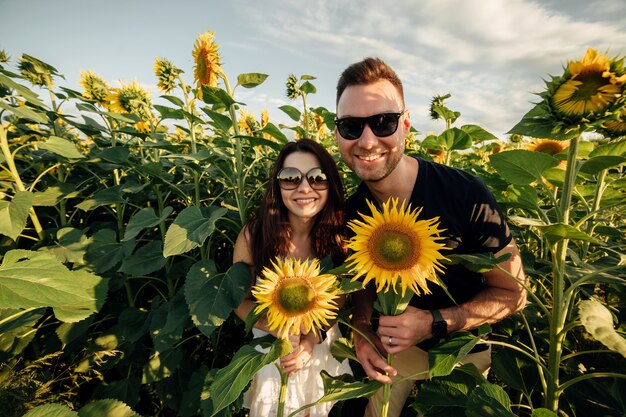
[119, 215]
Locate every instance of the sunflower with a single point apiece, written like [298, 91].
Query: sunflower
[296, 296]
[207, 61]
[95, 88]
[293, 90]
[133, 99]
[549, 146]
[247, 123]
[167, 73]
[393, 246]
[616, 127]
[590, 86]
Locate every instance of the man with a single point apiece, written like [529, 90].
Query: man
[372, 125]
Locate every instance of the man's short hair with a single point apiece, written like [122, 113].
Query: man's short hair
[368, 71]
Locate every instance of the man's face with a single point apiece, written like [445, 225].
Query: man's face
[371, 157]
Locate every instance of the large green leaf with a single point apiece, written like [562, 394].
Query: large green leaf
[52, 195]
[51, 410]
[522, 167]
[191, 228]
[221, 121]
[455, 139]
[250, 80]
[211, 296]
[275, 132]
[523, 196]
[615, 148]
[477, 133]
[71, 245]
[515, 370]
[168, 322]
[479, 262]
[215, 95]
[444, 357]
[230, 381]
[489, 400]
[144, 219]
[107, 408]
[291, 112]
[62, 147]
[24, 112]
[34, 279]
[448, 395]
[16, 330]
[104, 197]
[598, 163]
[14, 213]
[308, 88]
[104, 252]
[559, 231]
[542, 412]
[146, 260]
[161, 365]
[342, 349]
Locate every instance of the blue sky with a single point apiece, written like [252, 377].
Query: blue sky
[490, 55]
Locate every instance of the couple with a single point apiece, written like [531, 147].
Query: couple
[302, 216]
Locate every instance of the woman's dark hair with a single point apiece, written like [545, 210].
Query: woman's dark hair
[270, 230]
[368, 71]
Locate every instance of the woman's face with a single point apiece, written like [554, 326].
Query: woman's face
[303, 202]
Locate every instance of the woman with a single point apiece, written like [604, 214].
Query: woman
[301, 217]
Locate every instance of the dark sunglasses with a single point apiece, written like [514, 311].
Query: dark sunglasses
[382, 125]
[290, 178]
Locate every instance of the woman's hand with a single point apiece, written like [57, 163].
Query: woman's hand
[301, 355]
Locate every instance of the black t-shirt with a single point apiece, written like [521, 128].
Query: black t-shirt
[467, 211]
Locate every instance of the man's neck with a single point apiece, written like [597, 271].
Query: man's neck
[399, 183]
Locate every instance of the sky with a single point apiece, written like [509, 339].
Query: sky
[492, 56]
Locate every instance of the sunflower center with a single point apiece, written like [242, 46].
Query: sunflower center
[591, 84]
[295, 296]
[393, 248]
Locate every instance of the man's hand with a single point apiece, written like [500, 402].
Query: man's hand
[405, 330]
[374, 365]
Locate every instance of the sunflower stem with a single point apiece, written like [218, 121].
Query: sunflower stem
[384, 408]
[284, 377]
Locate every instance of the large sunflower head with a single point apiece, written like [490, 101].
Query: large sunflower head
[247, 122]
[296, 296]
[167, 73]
[133, 99]
[37, 72]
[95, 88]
[391, 246]
[207, 61]
[589, 86]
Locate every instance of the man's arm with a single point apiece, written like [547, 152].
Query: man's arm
[503, 296]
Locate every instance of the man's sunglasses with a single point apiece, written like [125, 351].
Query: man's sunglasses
[382, 125]
[290, 178]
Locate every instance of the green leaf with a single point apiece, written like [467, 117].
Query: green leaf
[344, 387]
[215, 95]
[33, 279]
[515, 370]
[455, 139]
[477, 133]
[522, 167]
[479, 262]
[25, 92]
[558, 231]
[51, 410]
[443, 357]
[346, 285]
[615, 148]
[220, 121]
[17, 330]
[291, 112]
[24, 112]
[537, 124]
[144, 219]
[230, 381]
[71, 245]
[251, 80]
[523, 196]
[489, 400]
[14, 213]
[212, 296]
[174, 100]
[107, 408]
[52, 195]
[168, 322]
[146, 260]
[161, 365]
[342, 349]
[308, 88]
[275, 132]
[542, 412]
[191, 228]
[104, 251]
[62, 147]
[448, 394]
[599, 163]
[104, 197]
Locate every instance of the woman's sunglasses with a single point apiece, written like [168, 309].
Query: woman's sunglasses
[382, 125]
[290, 178]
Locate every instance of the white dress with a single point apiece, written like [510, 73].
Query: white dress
[303, 387]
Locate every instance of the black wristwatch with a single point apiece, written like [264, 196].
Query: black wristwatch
[440, 327]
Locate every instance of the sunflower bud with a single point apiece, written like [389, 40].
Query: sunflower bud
[95, 88]
[293, 91]
[166, 72]
[36, 71]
